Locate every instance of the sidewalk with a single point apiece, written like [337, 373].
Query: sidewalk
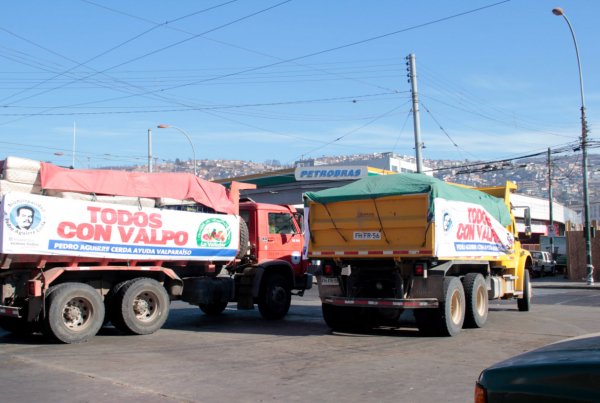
[559, 281]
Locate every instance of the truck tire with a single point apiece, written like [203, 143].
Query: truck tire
[141, 306]
[275, 297]
[74, 313]
[343, 318]
[524, 303]
[213, 309]
[449, 317]
[244, 239]
[476, 300]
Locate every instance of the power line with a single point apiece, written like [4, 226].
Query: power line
[559, 150]
[444, 130]
[357, 129]
[98, 55]
[162, 49]
[352, 99]
[290, 60]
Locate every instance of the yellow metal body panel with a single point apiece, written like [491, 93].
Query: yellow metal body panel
[396, 224]
[395, 227]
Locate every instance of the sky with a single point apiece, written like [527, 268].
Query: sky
[83, 81]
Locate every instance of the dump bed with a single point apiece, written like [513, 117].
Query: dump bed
[407, 215]
[101, 216]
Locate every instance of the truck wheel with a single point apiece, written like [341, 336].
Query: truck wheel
[244, 238]
[476, 300]
[524, 303]
[342, 318]
[74, 312]
[448, 318]
[141, 306]
[276, 297]
[214, 309]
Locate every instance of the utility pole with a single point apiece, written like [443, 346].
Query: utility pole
[587, 231]
[149, 150]
[412, 77]
[551, 226]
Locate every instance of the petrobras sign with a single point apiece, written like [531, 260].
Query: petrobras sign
[320, 173]
[42, 225]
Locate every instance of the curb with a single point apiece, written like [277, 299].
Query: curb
[571, 286]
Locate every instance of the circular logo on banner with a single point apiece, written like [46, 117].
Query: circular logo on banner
[25, 218]
[214, 233]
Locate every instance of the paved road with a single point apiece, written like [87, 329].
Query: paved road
[240, 357]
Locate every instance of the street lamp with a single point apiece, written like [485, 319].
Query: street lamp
[584, 131]
[187, 137]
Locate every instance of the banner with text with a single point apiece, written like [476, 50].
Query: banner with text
[42, 225]
[465, 229]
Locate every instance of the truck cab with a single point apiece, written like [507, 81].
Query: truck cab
[275, 238]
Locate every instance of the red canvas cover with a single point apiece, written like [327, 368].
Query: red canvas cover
[138, 184]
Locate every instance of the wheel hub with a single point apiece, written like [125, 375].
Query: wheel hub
[278, 295]
[455, 307]
[76, 313]
[144, 306]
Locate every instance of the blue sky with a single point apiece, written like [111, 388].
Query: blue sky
[276, 79]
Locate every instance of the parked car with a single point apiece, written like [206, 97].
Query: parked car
[561, 264]
[567, 371]
[543, 264]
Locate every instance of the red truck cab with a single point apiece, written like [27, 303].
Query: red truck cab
[276, 238]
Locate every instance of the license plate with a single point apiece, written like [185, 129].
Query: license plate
[329, 281]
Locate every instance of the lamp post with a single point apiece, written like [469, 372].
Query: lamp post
[187, 137]
[584, 131]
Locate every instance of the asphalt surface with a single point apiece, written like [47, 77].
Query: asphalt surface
[240, 357]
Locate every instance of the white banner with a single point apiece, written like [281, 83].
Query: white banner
[42, 225]
[467, 229]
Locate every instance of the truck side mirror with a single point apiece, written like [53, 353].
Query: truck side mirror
[299, 221]
[527, 217]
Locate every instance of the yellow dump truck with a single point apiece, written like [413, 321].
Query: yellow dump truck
[409, 241]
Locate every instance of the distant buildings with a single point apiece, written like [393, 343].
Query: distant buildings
[531, 175]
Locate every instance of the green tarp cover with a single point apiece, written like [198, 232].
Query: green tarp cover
[375, 187]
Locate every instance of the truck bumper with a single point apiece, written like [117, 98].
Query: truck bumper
[413, 303]
[10, 311]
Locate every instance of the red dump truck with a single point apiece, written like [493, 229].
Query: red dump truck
[409, 241]
[80, 248]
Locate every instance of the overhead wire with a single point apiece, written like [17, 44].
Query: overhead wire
[569, 147]
[401, 130]
[85, 63]
[289, 60]
[162, 49]
[477, 105]
[459, 148]
[381, 116]
[352, 99]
